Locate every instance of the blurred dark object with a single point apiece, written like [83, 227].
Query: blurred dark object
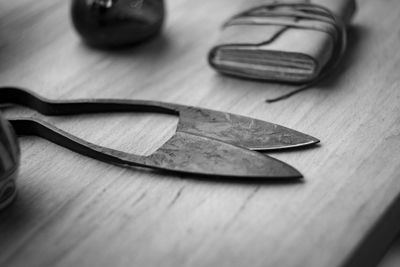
[9, 163]
[116, 23]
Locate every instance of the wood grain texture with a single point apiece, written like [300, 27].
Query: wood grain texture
[74, 211]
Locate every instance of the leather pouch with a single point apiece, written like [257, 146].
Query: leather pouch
[285, 40]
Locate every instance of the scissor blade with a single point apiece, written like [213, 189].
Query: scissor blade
[183, 152]
[241, 131]
[195, 154]
[234, 129]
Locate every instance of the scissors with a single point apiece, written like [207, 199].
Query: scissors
[206, 143]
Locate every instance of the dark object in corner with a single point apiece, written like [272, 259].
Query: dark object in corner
[116, 23]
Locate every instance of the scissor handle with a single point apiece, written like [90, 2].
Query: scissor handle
[40, 128]
[27, 98]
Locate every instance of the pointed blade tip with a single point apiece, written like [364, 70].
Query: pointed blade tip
[314, 140]
[311, 141]
[282, 171]
[306, 140]
[292, 174]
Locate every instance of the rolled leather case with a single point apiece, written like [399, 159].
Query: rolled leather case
[283, 40]
[9, 163]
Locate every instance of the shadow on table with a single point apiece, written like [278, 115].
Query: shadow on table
[355, 40]
[378, 241]
[392, 257]
[152, 48]
[17, 219]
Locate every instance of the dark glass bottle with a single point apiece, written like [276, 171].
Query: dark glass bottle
[9, 163]
[115, 23]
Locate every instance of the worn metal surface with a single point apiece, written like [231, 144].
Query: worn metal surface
[234, 129]
[183, 152]
[197, 154]
[206, 142]
[241, 131]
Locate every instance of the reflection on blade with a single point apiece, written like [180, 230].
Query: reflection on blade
[241, 131]
[199, 155]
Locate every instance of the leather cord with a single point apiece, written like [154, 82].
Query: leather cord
[267, 14]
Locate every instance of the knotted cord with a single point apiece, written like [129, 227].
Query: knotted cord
[266, 15]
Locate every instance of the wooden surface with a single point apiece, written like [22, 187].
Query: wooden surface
[74, 211]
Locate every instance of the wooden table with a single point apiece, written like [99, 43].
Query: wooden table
[75, 211]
